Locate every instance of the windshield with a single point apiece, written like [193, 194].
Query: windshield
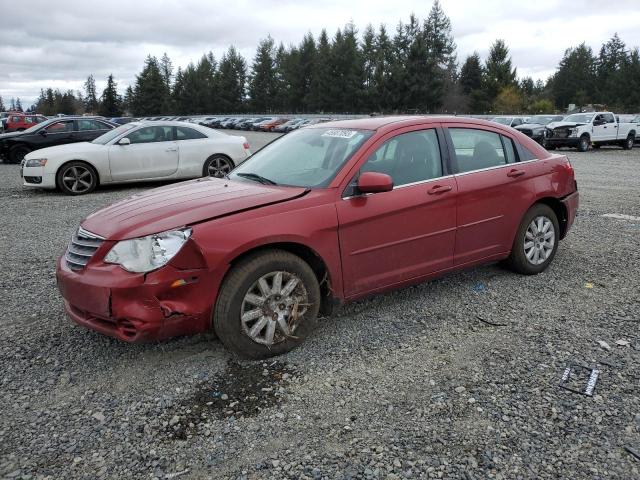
[579, 118]
[304, 158]
[110, 135]
[543, 119]
[38, 126]
[503, 120]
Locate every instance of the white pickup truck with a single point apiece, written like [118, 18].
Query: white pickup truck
[583, 130]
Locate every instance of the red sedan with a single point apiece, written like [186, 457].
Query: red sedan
[324, 215]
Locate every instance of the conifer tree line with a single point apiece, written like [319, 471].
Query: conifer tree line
[413, 69]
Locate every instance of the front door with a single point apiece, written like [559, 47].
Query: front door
[152, 153]
[391, 237]
[89, 129]
[57, 133]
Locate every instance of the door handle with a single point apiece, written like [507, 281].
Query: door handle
[171, 150]
[439, 189]
[515, 173]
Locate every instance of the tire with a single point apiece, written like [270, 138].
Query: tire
[518, 260]
[584, 143]
[17, 153]
[241, 291]
[76, 178]
[217, 166]
[628, 143]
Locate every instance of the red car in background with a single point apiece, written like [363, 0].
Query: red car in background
[16, 122]
[326, 214]
[269, 125]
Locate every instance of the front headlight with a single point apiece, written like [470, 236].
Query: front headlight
[141, 255]
[573, 132]
[36, 162]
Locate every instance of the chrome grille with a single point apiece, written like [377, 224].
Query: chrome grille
[82, 247]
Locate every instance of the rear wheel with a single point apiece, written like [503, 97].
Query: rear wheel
[77, 178]
[628, 143]
[584, 143]
[267, 305]
[17, 153]
[217, 166]
[536, 241]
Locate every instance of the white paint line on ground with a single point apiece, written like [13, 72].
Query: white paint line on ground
[622, 216]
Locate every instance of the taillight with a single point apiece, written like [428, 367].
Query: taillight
[245, 145]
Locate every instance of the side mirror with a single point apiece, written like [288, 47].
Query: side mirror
[43, 132]
[124, 141]
[374, 182]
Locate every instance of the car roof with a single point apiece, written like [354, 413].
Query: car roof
[393, 122]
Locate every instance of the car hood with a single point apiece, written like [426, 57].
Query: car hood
[553, 125]
[4, 136]
[69, 148]
[182, 204]
[529, 125]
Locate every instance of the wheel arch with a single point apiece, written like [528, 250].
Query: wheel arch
[92, 166]
[559, 209]
[306, 253]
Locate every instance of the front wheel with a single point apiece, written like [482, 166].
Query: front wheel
[217, 166]
[17, 153]
[628, 143]
[267, 305]
[584, 143]
[77, 178]
[536, 241]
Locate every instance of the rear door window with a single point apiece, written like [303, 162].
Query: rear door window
[479, 149]
[186, 133]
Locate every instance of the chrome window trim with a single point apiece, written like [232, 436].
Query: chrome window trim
[512, 165]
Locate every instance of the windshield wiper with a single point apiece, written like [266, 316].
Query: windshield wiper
[257, 178]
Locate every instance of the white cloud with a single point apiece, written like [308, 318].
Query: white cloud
[42, 45]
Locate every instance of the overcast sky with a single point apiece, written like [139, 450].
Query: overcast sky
[45, 44]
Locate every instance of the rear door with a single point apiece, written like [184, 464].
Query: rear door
[391, 237]
[495, 189]
[152, 154]
[88, 129]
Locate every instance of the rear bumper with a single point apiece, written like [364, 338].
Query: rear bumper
[570, 203]
[135, 307]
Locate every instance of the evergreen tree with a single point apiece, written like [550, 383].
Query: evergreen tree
[150, 91]
[231, 80]
[442, 56]
[262, 85]
[499, 71]
[166, 70]
[348, 70]
[127, 101]
[471, 74]
[321, 84]
[398, 77]
[2, 103]
[91, 99]
[369, 64]
[611, 66]
[575, 80]
[110, 103]
[12, 105]
[419, 69]
[383, 99]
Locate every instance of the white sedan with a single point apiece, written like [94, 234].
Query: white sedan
[136, 151]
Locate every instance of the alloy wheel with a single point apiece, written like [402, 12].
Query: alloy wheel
[219, 167]
[77, 179]
[272, 307]
[539, 240]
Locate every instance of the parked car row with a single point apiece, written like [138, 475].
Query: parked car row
[579, 130]
[264, 124]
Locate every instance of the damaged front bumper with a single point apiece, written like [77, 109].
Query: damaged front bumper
[138, 307]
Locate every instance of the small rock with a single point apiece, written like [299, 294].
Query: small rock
[460, 389]
[99, 416]
[604, 345]
[622, 343]
[175, 419]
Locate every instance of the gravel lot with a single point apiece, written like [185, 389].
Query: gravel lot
[411, 384]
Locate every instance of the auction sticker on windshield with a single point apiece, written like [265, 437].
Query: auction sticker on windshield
[339, 133]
